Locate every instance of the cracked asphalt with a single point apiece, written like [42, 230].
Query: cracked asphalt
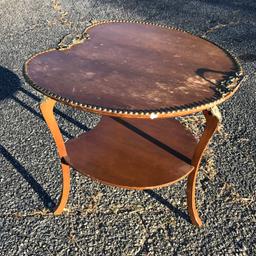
[101, 220]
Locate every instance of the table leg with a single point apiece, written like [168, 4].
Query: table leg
[213, 117]
[46, 108]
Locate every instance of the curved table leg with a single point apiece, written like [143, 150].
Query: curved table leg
[46, 108]
[213, 117]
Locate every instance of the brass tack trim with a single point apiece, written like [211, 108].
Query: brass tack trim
[225, 87]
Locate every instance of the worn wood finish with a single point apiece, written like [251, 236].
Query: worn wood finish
[133, 154]
[141, 71]
[46, 108]
[136, 70]
[213, 117]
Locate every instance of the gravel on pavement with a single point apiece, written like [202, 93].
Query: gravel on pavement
[101, 220]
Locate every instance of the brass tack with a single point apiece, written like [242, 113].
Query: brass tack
[153, 115]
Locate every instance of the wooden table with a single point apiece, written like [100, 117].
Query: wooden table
[137, 76]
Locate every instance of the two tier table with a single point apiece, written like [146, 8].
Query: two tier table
[139, 77]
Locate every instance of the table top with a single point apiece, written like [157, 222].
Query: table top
[138, 70]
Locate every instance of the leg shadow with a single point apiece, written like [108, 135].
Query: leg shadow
[153, 140]
[163, 201]
[56, 111]
[43, 195]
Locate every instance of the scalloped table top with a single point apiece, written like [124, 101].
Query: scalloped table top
[136, 70]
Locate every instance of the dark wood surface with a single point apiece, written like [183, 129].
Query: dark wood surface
[132, 153]
[133, 67]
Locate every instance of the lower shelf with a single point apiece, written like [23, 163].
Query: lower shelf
[133, 153]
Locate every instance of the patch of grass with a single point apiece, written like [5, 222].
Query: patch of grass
[62, 15]
[231, 195]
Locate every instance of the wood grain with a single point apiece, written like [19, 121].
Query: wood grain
[133, 154]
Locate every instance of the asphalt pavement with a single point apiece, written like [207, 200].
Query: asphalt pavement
[101, 220]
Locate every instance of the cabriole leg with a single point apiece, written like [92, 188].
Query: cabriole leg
[46, 108]
[213, 117]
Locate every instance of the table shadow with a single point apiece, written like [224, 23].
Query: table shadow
[10, 85]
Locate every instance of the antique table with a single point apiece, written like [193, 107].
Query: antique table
[139, 76]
